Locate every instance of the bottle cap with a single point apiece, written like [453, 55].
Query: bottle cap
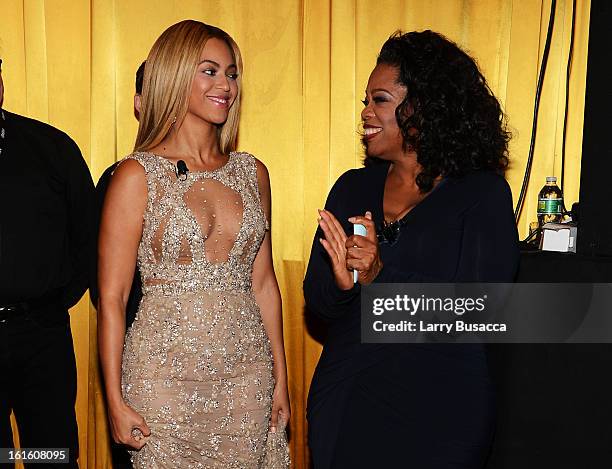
[551, 179]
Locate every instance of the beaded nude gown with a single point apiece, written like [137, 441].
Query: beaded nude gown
[197, 362]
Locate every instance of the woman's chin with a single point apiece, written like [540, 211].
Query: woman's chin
[374, 154]
[369, 153]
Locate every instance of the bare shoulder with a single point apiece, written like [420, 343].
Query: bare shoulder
[262, 171]
[129, 168]
[263, 186]
[263, 178]
[129, 176]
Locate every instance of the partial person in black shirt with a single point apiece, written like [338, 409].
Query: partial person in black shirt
[47, 248]
[437, 209]
[101, 187]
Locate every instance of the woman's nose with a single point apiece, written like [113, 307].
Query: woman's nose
[223, 83]
[366, 113]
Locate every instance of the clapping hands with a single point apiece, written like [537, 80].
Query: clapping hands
[350, 252]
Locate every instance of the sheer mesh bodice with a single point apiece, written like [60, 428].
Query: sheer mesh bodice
[202, 230]
[197, 363]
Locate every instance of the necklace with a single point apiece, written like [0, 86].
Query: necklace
[2, 131]
[388, 233]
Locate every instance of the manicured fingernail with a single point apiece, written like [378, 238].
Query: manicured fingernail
[351, 220]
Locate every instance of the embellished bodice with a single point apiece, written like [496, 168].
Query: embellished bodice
[201, 231]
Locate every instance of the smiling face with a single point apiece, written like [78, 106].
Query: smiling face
[215, 84]
[382, 136]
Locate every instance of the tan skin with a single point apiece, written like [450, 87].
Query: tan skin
[196, 143]
[137, 104]
[383, 140]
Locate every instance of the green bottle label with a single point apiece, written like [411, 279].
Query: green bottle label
[550, 206]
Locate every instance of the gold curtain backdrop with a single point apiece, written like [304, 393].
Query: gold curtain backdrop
[72, 63]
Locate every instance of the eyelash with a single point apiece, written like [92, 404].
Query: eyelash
[376, 99]
[212, 72]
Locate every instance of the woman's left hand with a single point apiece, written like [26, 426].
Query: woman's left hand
[281, 410]
[362, 251]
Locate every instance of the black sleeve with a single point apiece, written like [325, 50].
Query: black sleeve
[81, 222]
[490, 249]
[322, 296]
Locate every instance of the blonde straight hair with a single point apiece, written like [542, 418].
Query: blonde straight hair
[168, 78]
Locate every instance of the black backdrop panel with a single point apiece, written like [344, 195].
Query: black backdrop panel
[595, 228]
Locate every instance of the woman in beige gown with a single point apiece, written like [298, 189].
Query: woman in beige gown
[199, 379]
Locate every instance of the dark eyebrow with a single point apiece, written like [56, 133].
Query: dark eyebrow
[215, 63]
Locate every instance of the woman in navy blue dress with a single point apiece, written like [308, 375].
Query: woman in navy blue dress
[437, 209]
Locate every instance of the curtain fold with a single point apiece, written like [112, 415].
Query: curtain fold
[72, 64]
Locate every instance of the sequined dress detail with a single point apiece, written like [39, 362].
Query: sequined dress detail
[197, 363]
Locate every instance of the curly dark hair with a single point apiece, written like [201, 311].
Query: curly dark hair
[449, 117]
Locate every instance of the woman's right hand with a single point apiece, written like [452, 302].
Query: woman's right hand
[127, 426]
[334, 244]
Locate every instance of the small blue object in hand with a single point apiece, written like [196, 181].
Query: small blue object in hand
[360, 230]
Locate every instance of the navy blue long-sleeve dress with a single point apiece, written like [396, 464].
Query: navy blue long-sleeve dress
[408, 405]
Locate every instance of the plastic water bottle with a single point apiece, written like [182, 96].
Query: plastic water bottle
[550, 203]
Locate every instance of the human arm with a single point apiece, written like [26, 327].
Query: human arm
[120, 233]
[101, 188]
[490, 249]
[267, 296]
[322, 294]
[81, 220]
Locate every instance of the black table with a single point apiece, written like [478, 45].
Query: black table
[554, 400]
